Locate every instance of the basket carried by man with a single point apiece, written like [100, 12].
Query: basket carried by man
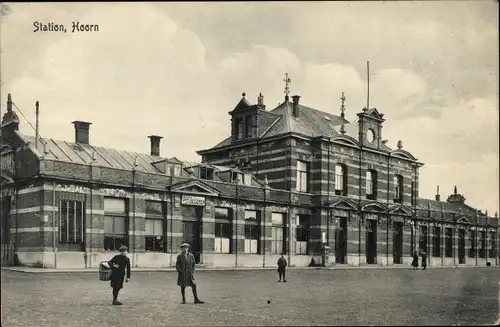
[104, 271]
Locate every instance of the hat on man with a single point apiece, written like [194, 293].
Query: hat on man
[185, 245]
[123, 248]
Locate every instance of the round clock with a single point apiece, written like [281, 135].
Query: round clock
[370, 136]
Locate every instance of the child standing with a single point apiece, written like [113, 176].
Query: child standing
[282, 268]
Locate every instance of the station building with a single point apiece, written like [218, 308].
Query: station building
[291, 180]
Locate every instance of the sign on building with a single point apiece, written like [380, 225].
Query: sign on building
[192, 200]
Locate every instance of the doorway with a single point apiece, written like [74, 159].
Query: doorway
[371, 242]
[341, 242]
[192, 217]
[397, 243]
[461, 246]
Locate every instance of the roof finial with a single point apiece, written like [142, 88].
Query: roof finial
[486, 212]
[9, 102]
[496, 214]
[243, 94]
[342, 106]
[287, 81]
[342, 129]
[455, 190]
[400, 144]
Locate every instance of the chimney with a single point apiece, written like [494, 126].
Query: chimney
[295, 107]
[260, 99]
[438, 197]
[82, 131]
[155, 145]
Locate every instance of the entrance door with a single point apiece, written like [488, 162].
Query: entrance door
[192, 232]
[461, 246]
[341, 242]
[371, 242]
[397, 243]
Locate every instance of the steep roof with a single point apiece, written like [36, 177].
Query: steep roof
[82, 154]
[310, 122]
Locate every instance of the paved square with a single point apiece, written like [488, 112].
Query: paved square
[311, 297]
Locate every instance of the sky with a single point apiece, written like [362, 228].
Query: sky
[177, 69]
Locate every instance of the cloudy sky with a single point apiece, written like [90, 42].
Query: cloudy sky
[176, 69]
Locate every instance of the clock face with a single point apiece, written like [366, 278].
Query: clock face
[370, 136]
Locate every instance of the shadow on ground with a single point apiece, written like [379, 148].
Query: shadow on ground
[311, 297]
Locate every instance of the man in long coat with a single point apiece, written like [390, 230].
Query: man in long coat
[185, 267]
[120, 265]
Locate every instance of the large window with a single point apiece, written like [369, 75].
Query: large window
[340, 179]
[422, 243]
[155, 227]
[371, 184]
[223, 230]
[174, 169]
[240, 132]
[493, 246]
[115, 223]
[302, 168]
[449, 243]
[71, 217]
[302, 234]
[472, 244]
[436, 242]
[482, 244]
[252, 231]
[398, 188]
[278, 232]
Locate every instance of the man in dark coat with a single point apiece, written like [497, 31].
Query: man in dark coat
[282, 268]
[424, 260]
[185, 266]
[119, 264]
[414, 263]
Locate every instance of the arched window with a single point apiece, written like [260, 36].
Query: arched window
[398, 188]
[371, 184]
[340, 179]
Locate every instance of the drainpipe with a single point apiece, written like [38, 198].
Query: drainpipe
[236, 227]
[133, 217]
[290, 210]
[53, 222]
[264, 229]
[388, 212]
[172, 204]
[361, 216]
[328, 195]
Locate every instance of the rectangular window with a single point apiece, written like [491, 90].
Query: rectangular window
[371, 185]
[436, 246]
[302, 234]
[482, 244]
[239, 129]
[449, 243]
[472, 244]
[398, 188]
[278, 233]
[340, 180]
[493, 247]
[252, 231]
[223, 230]
[6, 218]
[154, 236]
[71, 218]
[173, 169]
[422, 243]
[248, 126]
[115, 223]
[302, 169]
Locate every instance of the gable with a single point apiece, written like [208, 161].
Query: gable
[374, 206]
[195, 187]
[373, 114]
[400, 210]
[402, 154]
[344, 204]
[346, 140]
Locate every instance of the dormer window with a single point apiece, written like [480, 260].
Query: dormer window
[240, 132]
[206, 173]
[174, 169]
[237, 177]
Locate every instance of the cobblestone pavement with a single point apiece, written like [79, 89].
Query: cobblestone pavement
[311, 297]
